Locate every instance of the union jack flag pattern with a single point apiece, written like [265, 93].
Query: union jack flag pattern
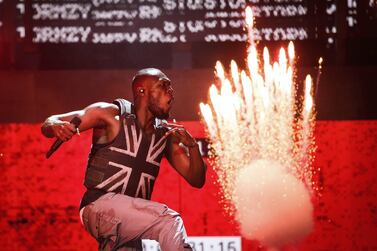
[130, 163]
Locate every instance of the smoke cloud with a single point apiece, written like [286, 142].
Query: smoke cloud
[272, 205]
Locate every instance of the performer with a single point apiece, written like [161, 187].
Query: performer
[129, 141]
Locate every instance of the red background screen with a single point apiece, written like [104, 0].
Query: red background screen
[40, 198]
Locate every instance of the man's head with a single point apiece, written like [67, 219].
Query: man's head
[152, 88]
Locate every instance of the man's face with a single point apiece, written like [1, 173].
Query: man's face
[160, 98]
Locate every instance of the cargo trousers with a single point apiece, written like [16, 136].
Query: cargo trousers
[119, 222]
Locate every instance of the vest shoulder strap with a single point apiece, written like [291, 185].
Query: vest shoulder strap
[125, 106]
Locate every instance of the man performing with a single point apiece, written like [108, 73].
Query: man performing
[129, 141]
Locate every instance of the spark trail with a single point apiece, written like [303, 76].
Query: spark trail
[261, 133]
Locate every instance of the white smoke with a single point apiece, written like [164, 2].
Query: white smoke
[272, 205]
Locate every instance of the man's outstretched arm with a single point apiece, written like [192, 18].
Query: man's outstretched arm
[96, 115]
[184, 155]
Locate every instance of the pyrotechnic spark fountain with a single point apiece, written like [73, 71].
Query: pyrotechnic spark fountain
[260, 133]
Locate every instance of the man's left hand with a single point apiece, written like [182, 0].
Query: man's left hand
[180, 134]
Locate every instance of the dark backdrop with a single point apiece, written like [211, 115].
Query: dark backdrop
[344, 93]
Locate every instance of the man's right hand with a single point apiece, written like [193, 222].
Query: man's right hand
[63, 130]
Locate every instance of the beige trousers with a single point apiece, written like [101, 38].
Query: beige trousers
[119, 222]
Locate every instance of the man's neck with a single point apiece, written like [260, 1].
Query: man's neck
[145, 119]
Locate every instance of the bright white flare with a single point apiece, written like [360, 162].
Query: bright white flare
[249, 17]
[253, 116]
[308, 97]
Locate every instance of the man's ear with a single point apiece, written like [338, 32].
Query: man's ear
[140, 91]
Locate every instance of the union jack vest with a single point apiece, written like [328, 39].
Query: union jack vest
[129, 164]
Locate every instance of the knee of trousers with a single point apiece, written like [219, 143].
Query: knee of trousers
[172, 234]
[170, 220]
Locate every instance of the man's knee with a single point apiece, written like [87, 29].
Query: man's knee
[171, 217]
[173, 235]
[171, 226]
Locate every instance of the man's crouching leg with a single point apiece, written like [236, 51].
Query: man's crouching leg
[119, 222]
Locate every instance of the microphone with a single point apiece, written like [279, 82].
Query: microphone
[76, 121]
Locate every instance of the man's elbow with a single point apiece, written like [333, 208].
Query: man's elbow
[201, 180]
[201, 184]
[198, 183]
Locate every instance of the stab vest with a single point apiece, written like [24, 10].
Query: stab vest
[129, 164]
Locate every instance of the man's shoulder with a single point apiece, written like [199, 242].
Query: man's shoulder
[105, 107]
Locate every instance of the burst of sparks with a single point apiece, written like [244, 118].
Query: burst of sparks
[254, 114]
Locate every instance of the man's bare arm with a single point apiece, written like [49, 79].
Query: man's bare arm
[190, 166]
[96, 115]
